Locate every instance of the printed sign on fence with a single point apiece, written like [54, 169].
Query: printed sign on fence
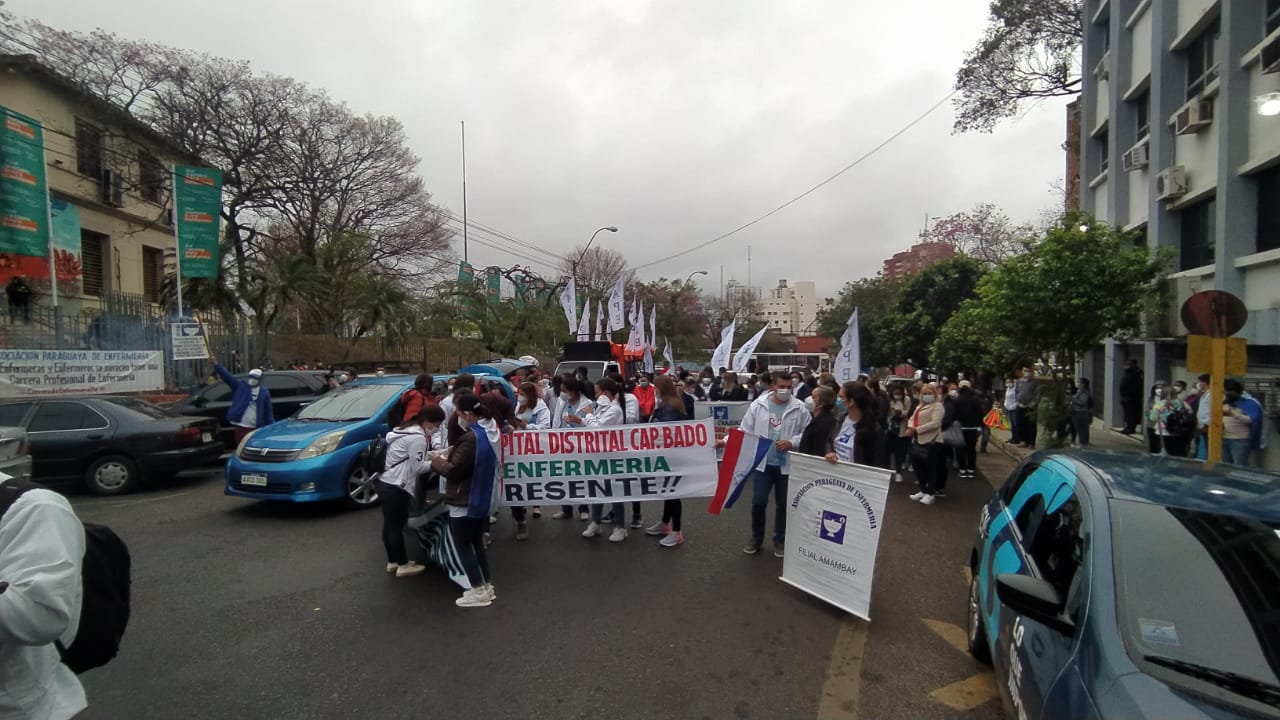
[60, 372]
[188, 341]
[654, 461]
[834, 516]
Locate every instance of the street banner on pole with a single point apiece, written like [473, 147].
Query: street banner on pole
[189, 342]
[24, 192]
[616, 303]
[834, 516]
[569, 303]
[584, 323]
[720, 358]
[466, 274]
[493, 284]
[65, 219]
[748, 348]
[197, 213]
[849, 361]
[58, 372]
[658, 461]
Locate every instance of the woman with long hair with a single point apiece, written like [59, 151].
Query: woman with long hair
[470, 472]
[406, 457]
[609, 412]
[901, 405]
[856, 439]
[572, 405]
[669, 407]
[816, 438]
[531, 414]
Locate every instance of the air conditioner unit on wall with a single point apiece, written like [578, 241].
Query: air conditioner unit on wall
[1139, 156]
[1171, 183]
[1194, 117]
[1271, 57]
[112, 188]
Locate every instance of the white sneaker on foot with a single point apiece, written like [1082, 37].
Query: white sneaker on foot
[584, 516]
[672, 539]
[927, 500]
[618, 535]
[491, 591]
[658, 528]
[412, 568]
[917, 496]
[475, 597]
[391, 567]
[593, 529]
[560, 515]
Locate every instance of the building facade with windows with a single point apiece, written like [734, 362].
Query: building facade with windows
[919, 257]
[108, 174]
[792, 309]
[1181, 144]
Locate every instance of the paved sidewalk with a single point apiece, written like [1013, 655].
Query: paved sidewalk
[1100, 437]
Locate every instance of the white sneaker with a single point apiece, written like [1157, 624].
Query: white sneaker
[491, 591]
[658, 528]
[927, 500]
[673, 538]
[917, 496]
[560, 515]
[897, 477]
[593, 529]
[391, 567]
[475, 597]
[412, 568]
[584, 516]
[618, 535]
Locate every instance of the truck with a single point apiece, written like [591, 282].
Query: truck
[599, 358]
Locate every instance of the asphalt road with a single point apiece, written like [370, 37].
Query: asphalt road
[263, 610]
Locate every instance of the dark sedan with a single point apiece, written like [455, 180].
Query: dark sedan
[1118, 585]
[290, 390]
[109, 442]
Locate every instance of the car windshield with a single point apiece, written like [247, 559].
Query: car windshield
[1199, 588]
[350, 402]
[141, 407]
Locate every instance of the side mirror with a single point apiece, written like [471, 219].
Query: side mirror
[1034, 599]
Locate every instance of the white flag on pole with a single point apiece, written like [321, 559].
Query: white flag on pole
[720, 358]
[631, 315]
[584, 325]
[640, 323]
[600, 321]
[648, 359]
[849, 361]
[744, 353]
[569, 302]
[635, 341]
[671, 359]
[616, 304]
[653, 326]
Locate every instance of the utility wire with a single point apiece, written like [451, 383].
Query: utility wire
[808, 192]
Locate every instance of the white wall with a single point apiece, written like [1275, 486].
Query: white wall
[1141, 63]
[1101, 109]
[1190, 12]
[1101, 209]
[1262, 286]
[1139, 193]
[1264, 132]
[1198, 153]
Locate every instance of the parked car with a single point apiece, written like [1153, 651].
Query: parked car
[290, 390]
[1119, 585]
[15, 452]
[109, 442]
[316, 455]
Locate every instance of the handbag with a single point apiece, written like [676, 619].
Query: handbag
[919, 456]
[953, 436]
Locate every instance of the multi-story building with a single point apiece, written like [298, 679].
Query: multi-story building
[109, 187]
[920, 256]
[1181, 143]
[742, 296]
[792, 310]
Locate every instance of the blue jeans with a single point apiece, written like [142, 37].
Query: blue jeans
[1236, 451]
[762, 481]
[619, 514]
[1082, 420]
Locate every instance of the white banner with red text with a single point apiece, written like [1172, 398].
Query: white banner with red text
[834, 517]
[650, 461]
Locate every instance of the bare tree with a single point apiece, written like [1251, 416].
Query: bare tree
[985, 233]
[598, 270]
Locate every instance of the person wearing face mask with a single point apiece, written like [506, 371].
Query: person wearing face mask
[1155, 400]
[702, 390]
[407, 448]
[1167, 405]
[1028, 396]
[901, 405]
[927, 456]
[1241, 423]
[531, 414]
[609, 412]
[645, 396]
[250, 401]
[571, 407]
[731, 390]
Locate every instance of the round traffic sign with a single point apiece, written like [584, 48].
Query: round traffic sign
[1215, 313]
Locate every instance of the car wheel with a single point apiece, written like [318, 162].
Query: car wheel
[360, 492]
[112, 475]
[978, 647]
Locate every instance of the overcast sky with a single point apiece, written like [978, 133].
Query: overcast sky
[676, 120]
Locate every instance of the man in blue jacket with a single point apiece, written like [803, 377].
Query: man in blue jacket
[250, 401]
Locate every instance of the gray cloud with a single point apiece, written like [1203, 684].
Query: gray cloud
[675, 121]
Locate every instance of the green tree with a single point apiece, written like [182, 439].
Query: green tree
[877, 300]
[965, 343]
[927, 302]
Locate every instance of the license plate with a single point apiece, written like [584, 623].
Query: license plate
[258, 480]
[206, 437]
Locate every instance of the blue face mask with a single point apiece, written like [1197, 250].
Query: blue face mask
[840, 405]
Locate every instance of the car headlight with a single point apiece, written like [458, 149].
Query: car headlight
[323, 445]
[243, 441]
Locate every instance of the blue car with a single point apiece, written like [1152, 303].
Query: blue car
[1113, 585]
[316, 454]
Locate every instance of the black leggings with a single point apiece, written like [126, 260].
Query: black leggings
[671, 512]
[395, 513]
[967, 456]
[468, 538]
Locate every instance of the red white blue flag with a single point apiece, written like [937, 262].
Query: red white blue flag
[742, 454]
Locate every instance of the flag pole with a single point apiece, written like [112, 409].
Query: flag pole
[48, 212]
[177, 240]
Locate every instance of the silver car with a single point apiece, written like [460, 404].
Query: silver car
[15, 453]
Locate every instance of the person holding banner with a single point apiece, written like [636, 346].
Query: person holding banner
[781, 418]
[250, 402]
[573, 403]
[531, 414]
[670, 408]
[609, 412]
[469, 491]
[927, 455]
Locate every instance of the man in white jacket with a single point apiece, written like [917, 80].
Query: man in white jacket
[41, 550]
[779, 416]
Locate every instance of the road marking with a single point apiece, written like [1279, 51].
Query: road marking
[967, 694]
[127, 503]
[844, 675]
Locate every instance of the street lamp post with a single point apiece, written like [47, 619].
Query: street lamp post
[583, 254]
[695, 272]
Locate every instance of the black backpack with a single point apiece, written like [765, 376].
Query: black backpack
[1181, 422]
[105, 574]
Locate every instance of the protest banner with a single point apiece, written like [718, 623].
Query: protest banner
[834, 516]
[60, 372]
[726, 415]
[657, 461]
[188, 341]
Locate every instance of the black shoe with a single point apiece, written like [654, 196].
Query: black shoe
[752, 547]
[637, 522]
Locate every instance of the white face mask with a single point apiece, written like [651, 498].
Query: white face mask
[953, 394]
[431, 430]
[464, 423]
[783, 394]
[706, 383]
[253, 382]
